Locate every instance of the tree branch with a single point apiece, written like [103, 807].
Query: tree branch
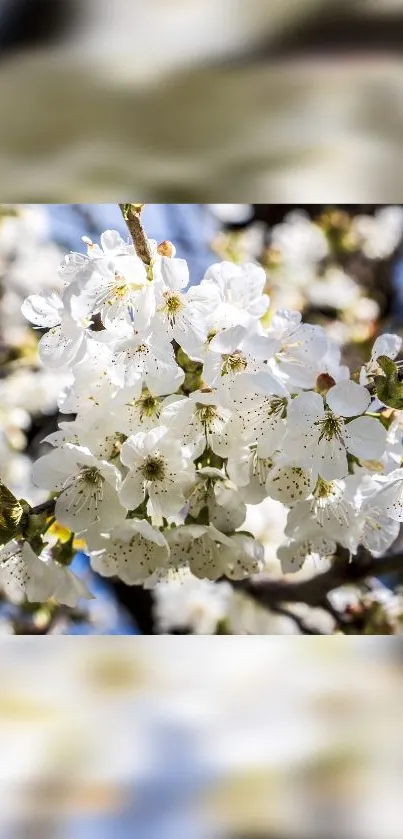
[303, 627]
[314, 591]
[46, 507]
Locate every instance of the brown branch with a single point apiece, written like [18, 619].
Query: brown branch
[303, 627]
[47, 506]
[314, 591]
[132, 216]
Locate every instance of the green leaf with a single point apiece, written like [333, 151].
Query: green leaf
[12, 515]
[388, 387]
[63, 552]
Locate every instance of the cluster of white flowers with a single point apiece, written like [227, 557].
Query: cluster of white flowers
[190, 406]
[27, 389]
[312, 263]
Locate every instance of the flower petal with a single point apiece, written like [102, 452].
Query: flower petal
[43, 309]
[365, 437]
[387, 344]
[348, 399]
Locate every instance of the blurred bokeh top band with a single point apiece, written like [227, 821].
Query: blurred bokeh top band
[210, 100]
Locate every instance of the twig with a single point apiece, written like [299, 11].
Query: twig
[132, 216]
[300, 623]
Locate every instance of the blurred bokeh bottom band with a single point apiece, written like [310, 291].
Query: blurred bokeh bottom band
[202, 737]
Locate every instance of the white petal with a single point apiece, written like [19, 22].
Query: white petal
[243, 558]
[267, 384]
[132, 450]
[303, 411]
[145, 530]
[228, 340]
[329, 459]
[273, 434]
[68, 588]
[57, 349]
[175, 272]
[132, 490]
[110, 510]
[111, 240]
[390, 500]
[387, 344]
[365, 438]
[166, 497]
[51, 470]
[260, 347]
[348, 399]
[154, 439]
[289, 484]
[43, 309]
[379, 533]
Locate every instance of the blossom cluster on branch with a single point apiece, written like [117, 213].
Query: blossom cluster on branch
[190, 405]
[334, 266]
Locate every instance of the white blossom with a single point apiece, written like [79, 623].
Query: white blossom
[159, 468]
[321, 438]
[88, 487]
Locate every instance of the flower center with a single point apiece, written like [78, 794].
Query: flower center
[92, 476]
[206, 414]
[234, 363]
[276, 405]
[330, 426]
[121, 290]
[324, 489]
[328, 498]
[172, 306]
[148, 405]
[153, 468]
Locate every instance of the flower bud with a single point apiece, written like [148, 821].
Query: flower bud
[323, 383]
[166, 248]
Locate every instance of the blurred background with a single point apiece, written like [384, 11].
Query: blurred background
[340, 265]
[213, 738]
[242, 99]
